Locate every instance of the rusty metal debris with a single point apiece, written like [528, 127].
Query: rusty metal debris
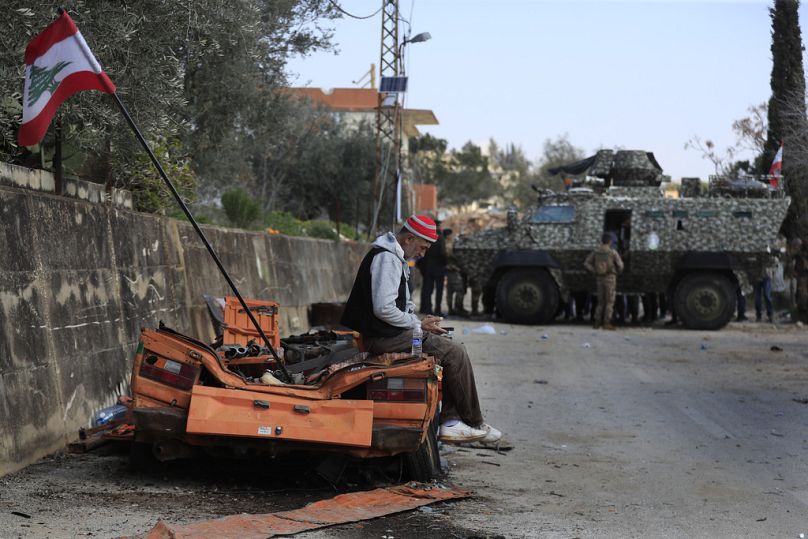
[341, 509]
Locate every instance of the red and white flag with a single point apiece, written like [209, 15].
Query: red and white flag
[58, 64]
[776, 169]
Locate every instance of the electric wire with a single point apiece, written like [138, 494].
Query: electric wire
[333, 3]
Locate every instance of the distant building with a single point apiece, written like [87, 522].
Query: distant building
[425, 198]
[354, 105]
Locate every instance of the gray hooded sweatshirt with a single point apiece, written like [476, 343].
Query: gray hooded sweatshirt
[385, 279]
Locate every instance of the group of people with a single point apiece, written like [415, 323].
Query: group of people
[439, 265]
[606, 264]
[380, 307]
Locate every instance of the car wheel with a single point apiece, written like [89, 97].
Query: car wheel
[527, 296]
[705, 301]
[423, 464]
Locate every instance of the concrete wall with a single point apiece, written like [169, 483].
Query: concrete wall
[42, 180]
[79, 279]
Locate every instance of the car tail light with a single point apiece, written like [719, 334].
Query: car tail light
[398, 389]
[173, 373]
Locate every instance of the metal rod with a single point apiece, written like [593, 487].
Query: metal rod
[199, 232]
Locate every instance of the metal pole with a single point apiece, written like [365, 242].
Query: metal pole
[199, 232]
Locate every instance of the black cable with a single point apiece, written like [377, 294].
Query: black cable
[333, 3]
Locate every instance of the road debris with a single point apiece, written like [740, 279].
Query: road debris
[342, 509]
[775, 348]
[485, 329]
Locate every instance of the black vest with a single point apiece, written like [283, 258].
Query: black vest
[358, 314]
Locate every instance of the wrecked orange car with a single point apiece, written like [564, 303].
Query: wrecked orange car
[225, 398]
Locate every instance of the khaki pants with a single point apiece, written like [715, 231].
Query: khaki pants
[607, 286]
[459, 389]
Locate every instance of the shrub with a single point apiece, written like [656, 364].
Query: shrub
[284, 222]
[242, 210]
[320, 229]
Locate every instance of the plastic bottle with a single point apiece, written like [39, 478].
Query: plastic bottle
[417, 339]
[111, 413]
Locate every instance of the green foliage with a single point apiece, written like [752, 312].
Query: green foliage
[787, 77]
[469, 179]
[200, 73]
[320, 229]
[348, 231]
[556, 152]
[149, 190]
[284, 223]
[787, 119]
[241, 208]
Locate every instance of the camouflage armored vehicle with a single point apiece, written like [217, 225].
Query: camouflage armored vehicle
[699, 250]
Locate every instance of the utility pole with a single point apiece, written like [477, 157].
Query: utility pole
[388, 114]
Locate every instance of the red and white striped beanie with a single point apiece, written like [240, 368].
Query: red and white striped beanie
[422, 226]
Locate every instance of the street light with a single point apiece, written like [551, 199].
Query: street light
[420, 38]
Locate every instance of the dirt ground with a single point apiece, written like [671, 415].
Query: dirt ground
[640, 432]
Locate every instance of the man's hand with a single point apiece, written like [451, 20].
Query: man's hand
[431, 324]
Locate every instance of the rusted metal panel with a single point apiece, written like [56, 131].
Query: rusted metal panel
[259, 415]
[341, 509]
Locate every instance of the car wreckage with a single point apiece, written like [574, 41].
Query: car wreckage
[699, 249]
[226, 398]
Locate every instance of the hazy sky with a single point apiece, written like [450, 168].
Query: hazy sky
[633, 74]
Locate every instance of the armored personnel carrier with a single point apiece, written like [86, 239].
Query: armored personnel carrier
[699, 250]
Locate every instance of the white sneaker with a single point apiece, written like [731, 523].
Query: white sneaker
[492, 435]
[460, 433]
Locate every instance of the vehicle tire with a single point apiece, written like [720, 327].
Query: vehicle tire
[527, 296]
[423, 464]
[705, 300]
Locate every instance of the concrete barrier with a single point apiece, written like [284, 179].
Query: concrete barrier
[78, 280]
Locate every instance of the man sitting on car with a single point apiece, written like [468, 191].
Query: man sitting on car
[380, 308]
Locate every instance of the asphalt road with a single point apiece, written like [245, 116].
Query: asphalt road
[641, 433]
[633, 433]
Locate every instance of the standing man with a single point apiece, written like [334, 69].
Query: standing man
[433, 271]
[763, 293]
[455, 283]
[380, 308]
[605, 264]
[474, 282]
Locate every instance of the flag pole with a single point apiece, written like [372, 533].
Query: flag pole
[199, 232]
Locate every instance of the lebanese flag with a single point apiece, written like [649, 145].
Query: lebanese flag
[58, 64]
[776, 169]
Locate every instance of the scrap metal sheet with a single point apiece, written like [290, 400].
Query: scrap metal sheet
[338, 510]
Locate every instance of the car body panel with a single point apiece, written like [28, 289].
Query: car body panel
[230, 412]
[226, 409]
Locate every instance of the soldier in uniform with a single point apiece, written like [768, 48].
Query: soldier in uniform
[474, 282]
[455, 283]
[605, 264]
[792, 250]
